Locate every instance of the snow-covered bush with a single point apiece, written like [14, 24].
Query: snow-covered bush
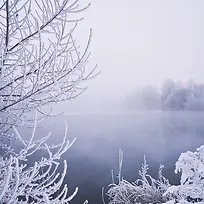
[191, 166]
[41, 182]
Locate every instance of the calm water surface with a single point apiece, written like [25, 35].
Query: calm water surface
[158, 135]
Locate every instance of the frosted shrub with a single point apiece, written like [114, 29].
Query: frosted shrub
[37, 183]
[191, 166]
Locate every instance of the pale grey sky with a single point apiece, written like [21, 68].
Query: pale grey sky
[138, 42]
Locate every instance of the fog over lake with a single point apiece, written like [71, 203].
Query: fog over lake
[161, 136]
[126, 75]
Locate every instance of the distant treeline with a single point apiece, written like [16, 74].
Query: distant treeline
[171, 96]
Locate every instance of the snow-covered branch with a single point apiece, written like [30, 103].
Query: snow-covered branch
[40, 182]
[40, 62]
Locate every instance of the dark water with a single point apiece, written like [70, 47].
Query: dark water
[158, 135]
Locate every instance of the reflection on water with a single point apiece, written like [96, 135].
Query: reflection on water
[160, 136]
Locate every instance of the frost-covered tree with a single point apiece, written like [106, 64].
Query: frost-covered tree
[196, 100]
[40, 62]
[177, 96]
[167, 88]
[178, 99]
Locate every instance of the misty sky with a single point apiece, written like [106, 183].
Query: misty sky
[139, 42]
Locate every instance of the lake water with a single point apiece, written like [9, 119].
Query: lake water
[161, 136]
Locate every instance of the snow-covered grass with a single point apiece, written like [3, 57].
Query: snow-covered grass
[151, 190]
[143, 190]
